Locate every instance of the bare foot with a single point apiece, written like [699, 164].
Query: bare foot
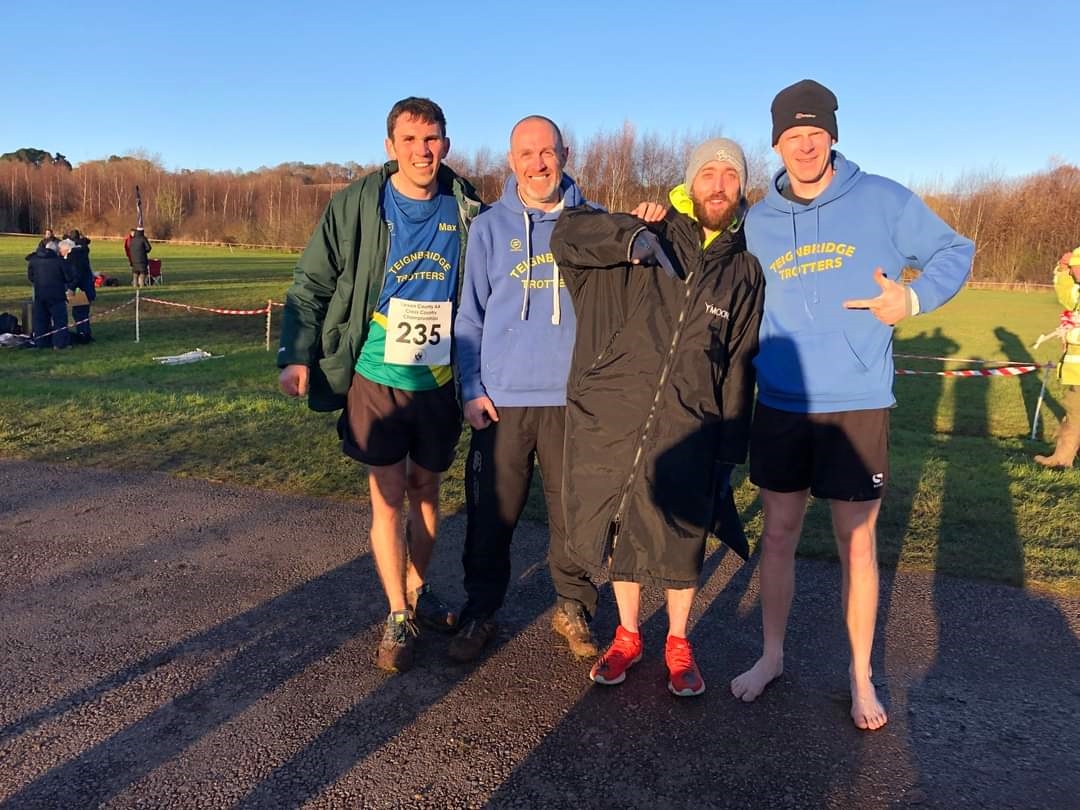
[750, 684]
[866, 709]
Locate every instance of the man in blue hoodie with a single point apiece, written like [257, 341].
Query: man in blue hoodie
[515, 335]
[832, 240]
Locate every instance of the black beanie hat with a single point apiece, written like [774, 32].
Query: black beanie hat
[804, 104]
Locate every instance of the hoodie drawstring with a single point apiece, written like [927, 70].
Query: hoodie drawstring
[556, 302]
[556, 278]
[528, 265]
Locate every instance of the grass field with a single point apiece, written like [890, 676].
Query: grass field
[965, 497]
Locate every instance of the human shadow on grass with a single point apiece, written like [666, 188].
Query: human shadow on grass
[992, 701]
[915, 464]
[915, 478]
[1031, 385]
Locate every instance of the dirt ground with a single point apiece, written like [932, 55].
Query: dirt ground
[182, 644]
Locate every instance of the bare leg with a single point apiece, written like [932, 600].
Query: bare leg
[783, 513]
[628, 598]
[856, 539]
[422, 487]
[679, 603]
[388, 486]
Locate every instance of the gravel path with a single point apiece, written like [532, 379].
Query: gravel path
[181, 644]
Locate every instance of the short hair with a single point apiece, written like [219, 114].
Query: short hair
[423, 109]
[558, 132]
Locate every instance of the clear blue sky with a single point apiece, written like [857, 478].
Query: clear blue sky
[929, 91]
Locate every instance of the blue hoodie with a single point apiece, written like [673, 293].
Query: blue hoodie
[815, 356]
[514, 329]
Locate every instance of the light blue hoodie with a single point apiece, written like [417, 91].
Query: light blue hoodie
[815, 356]
[514, 329]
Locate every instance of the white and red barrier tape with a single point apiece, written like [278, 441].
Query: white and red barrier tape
[948, 359]
[1009, 370]
[107, 312]
[1006, 369]
[1001, 371]
[215, 310]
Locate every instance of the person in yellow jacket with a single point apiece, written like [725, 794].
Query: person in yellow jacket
[1067, 287]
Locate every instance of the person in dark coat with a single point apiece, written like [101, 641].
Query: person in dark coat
[78, 256]
[660, 393]
[52, 277]
[140, 252]
[80, 239]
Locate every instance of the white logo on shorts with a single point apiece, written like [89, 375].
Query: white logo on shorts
[878, 479]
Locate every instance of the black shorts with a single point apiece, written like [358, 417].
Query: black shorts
[381, 425]
[842, 456]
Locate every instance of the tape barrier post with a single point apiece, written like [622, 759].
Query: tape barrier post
[269, 309]
[136, 314]
[1038, 404]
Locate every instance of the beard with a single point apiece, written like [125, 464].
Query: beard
[718, 219]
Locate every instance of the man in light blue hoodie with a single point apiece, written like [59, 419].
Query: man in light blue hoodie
[514, 333]
[832, 241]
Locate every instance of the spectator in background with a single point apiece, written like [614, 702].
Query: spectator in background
[1067, 287]
[52, 277]
[80, 240]
[48, 237]
[127, 245]
[139, 253]
[78, 257]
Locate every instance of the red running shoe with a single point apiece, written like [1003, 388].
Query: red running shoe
[625, 651]
[684, 678]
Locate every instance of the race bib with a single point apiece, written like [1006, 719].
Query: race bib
[418, 333]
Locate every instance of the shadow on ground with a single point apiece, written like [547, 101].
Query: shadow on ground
[212, 647]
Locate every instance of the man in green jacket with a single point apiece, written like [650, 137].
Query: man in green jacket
[366, 329]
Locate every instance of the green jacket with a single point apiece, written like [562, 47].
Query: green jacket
[337, 282]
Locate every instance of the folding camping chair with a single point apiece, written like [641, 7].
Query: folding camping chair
[154, 274]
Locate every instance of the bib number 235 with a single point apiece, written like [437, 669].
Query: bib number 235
[418, 333]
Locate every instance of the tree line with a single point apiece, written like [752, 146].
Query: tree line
[1020, 226]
